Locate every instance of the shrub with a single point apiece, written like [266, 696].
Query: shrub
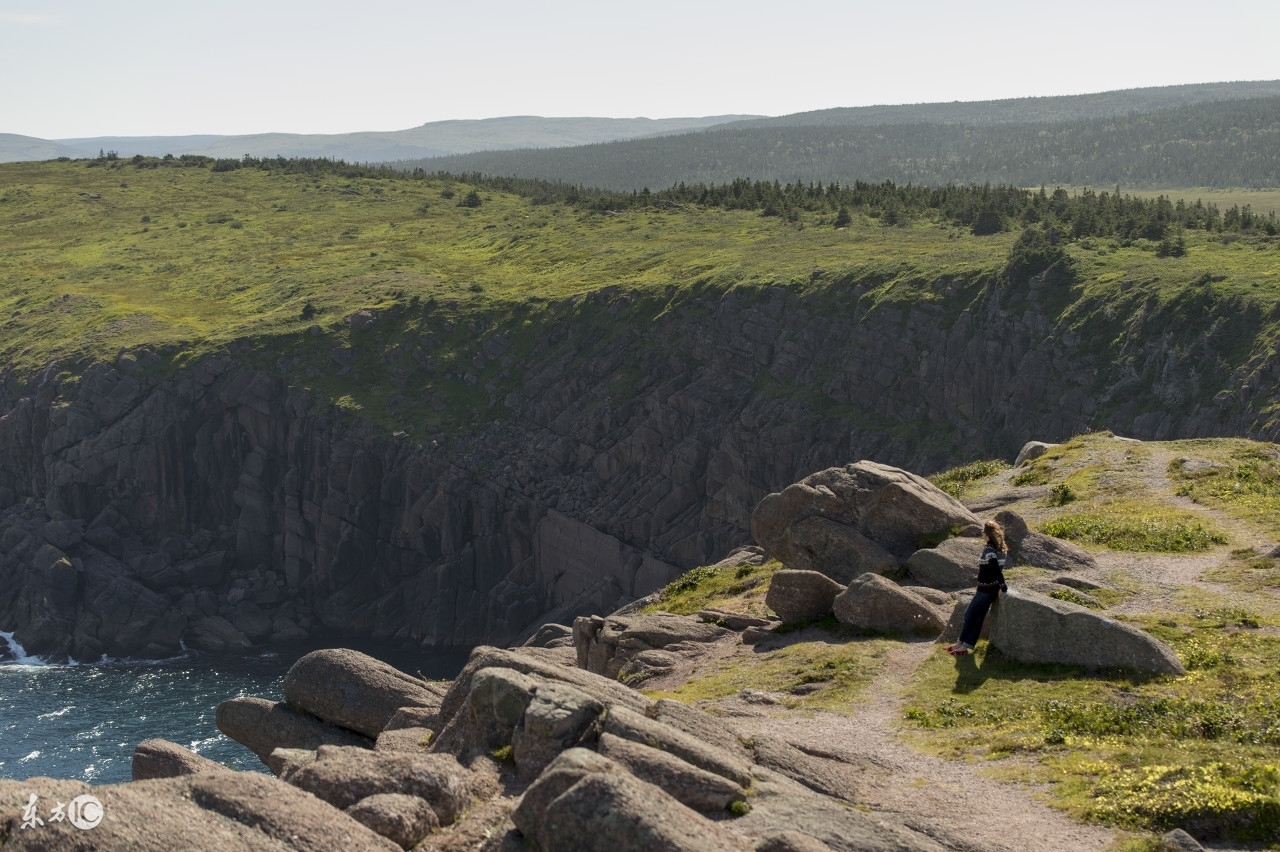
[471, 199]
[1039, 251]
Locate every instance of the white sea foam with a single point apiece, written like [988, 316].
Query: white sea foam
[31, 756]
[18, 653]
[56, 713]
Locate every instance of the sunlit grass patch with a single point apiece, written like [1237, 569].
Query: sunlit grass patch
[1240, 477]
[957, 481]
[1136, 752]
[738, 589]
[837, 668]
[1137, 526]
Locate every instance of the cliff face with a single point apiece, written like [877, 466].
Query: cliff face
[632, 438]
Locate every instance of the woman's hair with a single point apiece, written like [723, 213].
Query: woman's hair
[995, 535]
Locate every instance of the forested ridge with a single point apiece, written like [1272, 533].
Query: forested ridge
[1214, 144]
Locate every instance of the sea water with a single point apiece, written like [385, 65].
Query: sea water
[82, 721]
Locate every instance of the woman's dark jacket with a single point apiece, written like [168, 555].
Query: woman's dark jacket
[991, 570]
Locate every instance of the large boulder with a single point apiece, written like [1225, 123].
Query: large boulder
[606, 691]
[209, 812]
[399, 817]
[955, 622]
[801, 595]
[846, 521]
[555, 719]
[342, 776]
[263, 726]
[1038, 550]
[1033, 628]
[953, 564]
[497, 702]
[690, 786]
[630, 725]
[1031, 451]
[873, 602]
[163, 759]
[621, 645]
[354, 690]
[608, 812]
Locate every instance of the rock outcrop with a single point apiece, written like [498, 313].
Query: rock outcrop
[952, 564]
[873, 602]
[637, 647]
[801, 595]
[1034, 628]
[847, 521]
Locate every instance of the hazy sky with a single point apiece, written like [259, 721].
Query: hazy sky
[73, 68]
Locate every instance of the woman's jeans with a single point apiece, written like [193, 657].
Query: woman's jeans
[975, 615]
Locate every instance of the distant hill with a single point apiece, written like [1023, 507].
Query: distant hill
[1234, 143]
[433, 139]
[1023, 110]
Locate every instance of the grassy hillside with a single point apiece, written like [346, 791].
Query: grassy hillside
[103, 254]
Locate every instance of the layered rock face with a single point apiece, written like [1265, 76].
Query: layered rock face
[222, 504]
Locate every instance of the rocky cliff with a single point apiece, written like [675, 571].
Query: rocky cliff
[572, 455]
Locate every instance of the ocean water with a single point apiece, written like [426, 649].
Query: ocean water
[82, 721]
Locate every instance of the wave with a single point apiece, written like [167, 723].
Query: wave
[18, 655]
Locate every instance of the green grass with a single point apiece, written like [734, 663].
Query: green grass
[958, 481]
[1245, 484]
[736, 588]
[1140, 753]
[1135, 526]
[839, 664]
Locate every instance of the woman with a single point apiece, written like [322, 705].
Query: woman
[990, 585]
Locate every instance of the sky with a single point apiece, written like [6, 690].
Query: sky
[74, 68]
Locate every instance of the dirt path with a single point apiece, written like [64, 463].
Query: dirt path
[927, 791]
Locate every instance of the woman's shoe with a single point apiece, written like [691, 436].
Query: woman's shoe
[959, 652]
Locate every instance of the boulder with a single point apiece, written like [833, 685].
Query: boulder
[402, 819]
[353, 690]
[284, 761]
[412, 740]
[1179, 841]
[955, 623]
[208, 812]
[608, 692]
[1027, 547]
[163, 759]
[953, 564]
[1034, 628]
[877, 603]
[1031, 451]
[413, 717]
[263, 726]
[693, 787]
[555, 719]
[497, 702]
[756, 635]
[606, 646]
[845, 521]
[801, 595]
[342, 776]
[608, 812]
[549, 636]
[630, 725]
[570, 767]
